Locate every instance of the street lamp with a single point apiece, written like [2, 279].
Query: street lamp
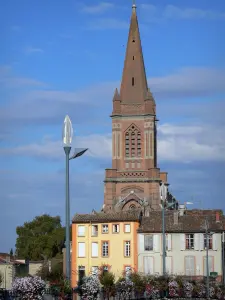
[67, 141]
[163, 196]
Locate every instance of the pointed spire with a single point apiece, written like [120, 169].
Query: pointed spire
[150, 103]
[134, 83]
[150, 96]
[116, 95]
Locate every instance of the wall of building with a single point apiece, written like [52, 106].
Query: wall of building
[115, 260]
[7, 272]
[176, 255]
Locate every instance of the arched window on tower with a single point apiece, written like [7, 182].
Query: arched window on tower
[133, 142]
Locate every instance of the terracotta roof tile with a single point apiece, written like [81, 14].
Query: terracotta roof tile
[187, 223]
[107, 217]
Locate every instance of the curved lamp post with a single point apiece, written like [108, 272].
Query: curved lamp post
[67, 141]
[163, 196]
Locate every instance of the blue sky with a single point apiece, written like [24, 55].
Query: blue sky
[59, 58]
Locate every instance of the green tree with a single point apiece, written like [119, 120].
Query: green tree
[11, 252]
[42, 237]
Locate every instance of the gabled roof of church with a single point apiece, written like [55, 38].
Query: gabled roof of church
[134, 86]
[132, 215]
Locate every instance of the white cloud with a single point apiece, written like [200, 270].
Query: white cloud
[172, 12]
[99, 147]
[156, 13]
[50, 105]
[175, 143]
[9, 80]
[30, 50]
[97, 9]
[191, 143]
[189, 81]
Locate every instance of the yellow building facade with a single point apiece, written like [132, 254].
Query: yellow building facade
[108, 240]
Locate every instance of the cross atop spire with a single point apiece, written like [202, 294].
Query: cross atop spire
[134, 85]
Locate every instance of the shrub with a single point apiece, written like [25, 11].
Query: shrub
[139, 283]
[107, 280]
[124, 287]
[31, 288]
[90, 287]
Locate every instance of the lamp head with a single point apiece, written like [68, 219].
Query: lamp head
[67, 134]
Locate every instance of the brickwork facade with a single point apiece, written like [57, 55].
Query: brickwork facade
[133, 181]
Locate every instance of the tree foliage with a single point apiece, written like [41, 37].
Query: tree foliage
[41, 238]
[56, 272]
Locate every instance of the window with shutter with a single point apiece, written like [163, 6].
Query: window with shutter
[94, 249]
[196, 241]
[81, 249]
[189, 265]
[214, 242]
[190, 241]
[141, 242]
[210, 265]
[182, 242]
[81, 230]
[127, 228]
[116, 228]
[156, 242]
[210, 241]
[148, 265]
[169, 265]
[148, 242]
[168, 242]
[94, 230]
[201, 241]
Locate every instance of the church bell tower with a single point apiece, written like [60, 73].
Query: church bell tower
[133, 182]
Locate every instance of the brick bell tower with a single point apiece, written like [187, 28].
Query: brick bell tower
[133, 181]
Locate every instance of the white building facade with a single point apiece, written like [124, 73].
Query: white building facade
[186, 250]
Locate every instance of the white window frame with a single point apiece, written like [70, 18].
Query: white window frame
[125, 228]
[210, 239]
[193, 257]
[81, 248]
[105, 249]
[81, 232]
[127, 249]
[152, 237]
[191, 240]
[105, 228]
[94, 230]
[116, 228]
[95, 249]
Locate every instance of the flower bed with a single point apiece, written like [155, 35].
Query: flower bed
[153, 287]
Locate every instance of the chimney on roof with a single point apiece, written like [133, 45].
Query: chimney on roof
[217, 216]
[176, 217]
[182, 209]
